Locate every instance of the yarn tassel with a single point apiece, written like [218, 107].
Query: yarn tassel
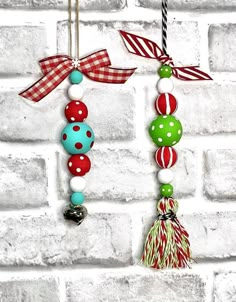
[167, 244]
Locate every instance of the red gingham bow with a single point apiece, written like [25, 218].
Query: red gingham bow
[146, 48]
[56, 68]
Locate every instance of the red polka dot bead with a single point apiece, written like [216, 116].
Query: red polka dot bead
[166, 104]
[79, 165]
[76, 111]
[166, 157]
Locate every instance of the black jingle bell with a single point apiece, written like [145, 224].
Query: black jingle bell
[77, 213]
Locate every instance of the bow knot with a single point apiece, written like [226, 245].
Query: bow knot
[164, 59]
[55, 69]
[76, 63]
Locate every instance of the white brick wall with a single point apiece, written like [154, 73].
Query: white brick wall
[143, 286]
[41, 290]
[42, 257]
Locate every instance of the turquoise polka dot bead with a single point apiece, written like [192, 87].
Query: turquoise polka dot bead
[77, 138]
[76, 77]
[165, 130]
[77, 198]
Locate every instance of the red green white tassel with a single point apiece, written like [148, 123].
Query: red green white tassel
[167, 244]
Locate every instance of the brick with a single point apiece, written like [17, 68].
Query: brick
[94, 36]
[40, 290]
[41, 240]
[33, 119]
[100, 5]
[207, 233]
[203, 108]
[222, 47]
[225, 287]
[189, 5]
[111, 114]
[23, 182]
[21, 47]
[186, 170]
[137, 287]
[220, 179]
[128, 175]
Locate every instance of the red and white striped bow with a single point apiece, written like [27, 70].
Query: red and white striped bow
[146, 48]
[56, 68]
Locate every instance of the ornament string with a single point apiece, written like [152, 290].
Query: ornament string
[76, 28]
[167, 243]
[77, 137]
[70, 28]
[164, 8]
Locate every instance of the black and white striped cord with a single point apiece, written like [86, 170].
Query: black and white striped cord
[164, 25]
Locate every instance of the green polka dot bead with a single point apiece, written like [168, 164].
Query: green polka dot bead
[165, 130]
[166, 190]
[165, 71]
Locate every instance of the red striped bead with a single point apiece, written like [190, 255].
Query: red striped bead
[166, 157]
[166, 104]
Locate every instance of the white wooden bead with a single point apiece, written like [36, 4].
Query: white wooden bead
[165, 176]
[77, 184]
[75, 92]
[165, 85]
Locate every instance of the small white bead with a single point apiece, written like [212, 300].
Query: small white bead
[75, 92]
[165, 176]
[165, 85]
[77, 184]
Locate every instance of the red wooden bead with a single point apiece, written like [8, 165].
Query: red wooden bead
[79, 164]
[166, 157]
[76, 111]
[166, 104]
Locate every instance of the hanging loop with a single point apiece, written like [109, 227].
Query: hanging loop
[164, 25]
[76, 28]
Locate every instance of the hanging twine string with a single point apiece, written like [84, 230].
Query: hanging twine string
[76, 28]
[70, 28]
[164, 8]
